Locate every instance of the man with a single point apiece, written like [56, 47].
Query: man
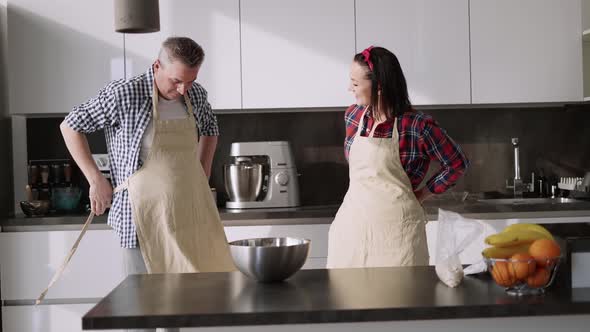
[160, 168]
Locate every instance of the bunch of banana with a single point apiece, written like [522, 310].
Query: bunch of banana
[514, 239]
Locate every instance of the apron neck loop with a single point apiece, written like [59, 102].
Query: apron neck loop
[362, 122]
[155, 101]
[371, 134]
[189, 105]
[155, 96]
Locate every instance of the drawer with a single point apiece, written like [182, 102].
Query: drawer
[28, 261]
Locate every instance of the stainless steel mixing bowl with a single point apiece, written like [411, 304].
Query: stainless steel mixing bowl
[243, 181]
[270, 259]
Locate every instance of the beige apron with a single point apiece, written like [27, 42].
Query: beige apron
[176, 219]
[177, 222]
[380, 222]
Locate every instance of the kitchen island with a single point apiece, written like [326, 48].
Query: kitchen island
[372, 299]
[32, 249]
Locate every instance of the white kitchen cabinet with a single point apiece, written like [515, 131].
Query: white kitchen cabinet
[586, 47]
[585, 15]
[296, 53]
[586, 65]
[45, 318]
[526, 51]
[28, 261]
[214, 24]
[580, 265]
[430, 39]
[60, 53]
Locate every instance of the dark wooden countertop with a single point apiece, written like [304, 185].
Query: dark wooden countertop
[316, 296]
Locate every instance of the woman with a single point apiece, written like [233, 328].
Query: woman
[389, 146]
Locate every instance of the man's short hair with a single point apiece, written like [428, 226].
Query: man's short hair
[182, 49]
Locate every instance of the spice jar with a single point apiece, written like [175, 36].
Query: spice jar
[44, 174]
[33, 174]
[56, 173]
[67, 172]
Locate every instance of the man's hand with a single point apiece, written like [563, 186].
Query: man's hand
[206, 152]
[101, 194]
[423, 194]
[101, 191]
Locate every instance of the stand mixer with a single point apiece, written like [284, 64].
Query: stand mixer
[261, 175]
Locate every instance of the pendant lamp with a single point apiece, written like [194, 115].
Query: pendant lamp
[137, 16]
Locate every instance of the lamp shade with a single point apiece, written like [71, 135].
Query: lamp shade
[137, 16]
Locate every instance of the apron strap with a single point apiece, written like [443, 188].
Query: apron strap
[61, 269]
[122, 186]
[187, 101]
[189, 109]
[375, 124]
[155, 102]
[362, 121]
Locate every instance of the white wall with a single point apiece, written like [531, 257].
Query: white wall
[586, 46]
[5, 169]
[61, 52]
[5, 196]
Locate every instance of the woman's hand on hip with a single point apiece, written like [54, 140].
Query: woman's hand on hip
[100, 194]
[423, 194]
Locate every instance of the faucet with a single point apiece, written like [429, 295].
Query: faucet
[518, 185]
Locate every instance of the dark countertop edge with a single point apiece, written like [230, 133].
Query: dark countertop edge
[338, 316]
[308, 216]
[523, 214]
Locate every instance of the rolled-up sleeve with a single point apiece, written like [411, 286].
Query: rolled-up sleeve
[206, 119]
[96, 113]
[439, 146]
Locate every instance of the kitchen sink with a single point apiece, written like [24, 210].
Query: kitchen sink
[528, 201]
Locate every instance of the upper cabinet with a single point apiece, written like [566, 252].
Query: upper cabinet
[586, 47]
[526, 51]
[266, 54]
[215, 25]
[430, 39]
[60, 53]
[296, 53]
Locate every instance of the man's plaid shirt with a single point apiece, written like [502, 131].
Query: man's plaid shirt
[123, 109]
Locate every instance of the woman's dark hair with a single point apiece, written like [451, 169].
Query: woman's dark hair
[387, 76]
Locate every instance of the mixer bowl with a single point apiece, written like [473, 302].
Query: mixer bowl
[243, 181]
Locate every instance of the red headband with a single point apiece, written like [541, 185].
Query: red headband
[367, 54]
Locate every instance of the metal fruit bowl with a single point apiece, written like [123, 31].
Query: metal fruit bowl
[270, 259]
[523, 277]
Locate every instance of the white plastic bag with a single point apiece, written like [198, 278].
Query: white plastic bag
[455, 233]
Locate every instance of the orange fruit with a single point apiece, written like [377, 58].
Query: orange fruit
[495, 275]
[503, 274]
[544, 250]
[539, 278]
[523, 265]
